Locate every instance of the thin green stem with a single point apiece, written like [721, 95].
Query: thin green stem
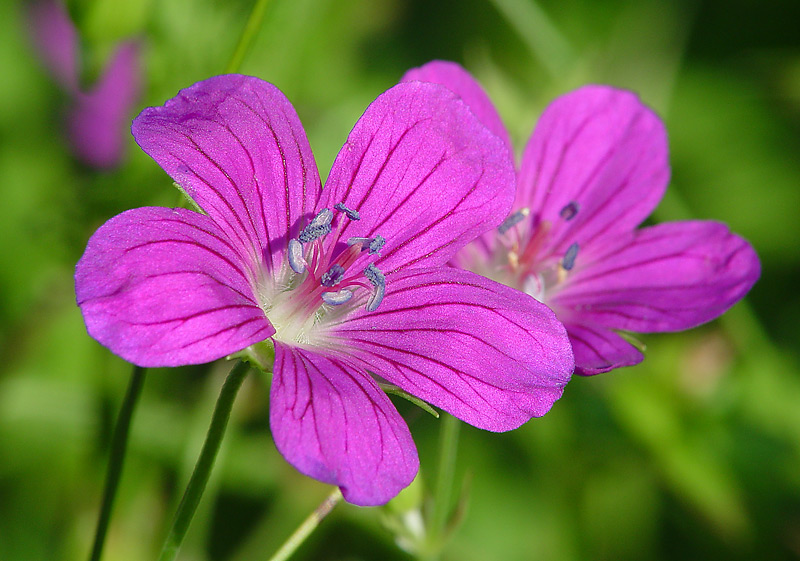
[202, 470]
[309, 525]
[539, 33]
[442, 496]
[248, 34]
[116, 460]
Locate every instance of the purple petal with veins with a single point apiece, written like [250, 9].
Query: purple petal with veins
[333, 423]
[236, 146]
[594, 168]
[600, 150]
[598, 349]
[398, 169]
[163, 287]
[460, 82]
[486, 353]
[668, 277]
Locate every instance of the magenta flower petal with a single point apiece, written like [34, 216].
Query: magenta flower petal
[333, 423]
[486, 353]
[56, 40]
[158, 287]
[422, 172]
[600, 151]
[598, 349]
[98, 121]
[236, 146]
[667, 277]
[459, 81]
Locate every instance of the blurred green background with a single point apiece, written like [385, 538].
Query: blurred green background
[694, 454]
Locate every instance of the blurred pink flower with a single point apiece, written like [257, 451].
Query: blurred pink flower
[595, 167]
[97, 118]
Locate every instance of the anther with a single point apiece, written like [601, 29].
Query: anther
[318, 227]
[569, 211]
[569, 257]
[295, 255]
[351, 214]
[378, 280]
[376, 244]
[354, 241]
[322, 218]
[333, 277]
[337, 298]
[513, 219]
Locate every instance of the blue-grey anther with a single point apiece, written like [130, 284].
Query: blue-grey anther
[351, 214]
[318, 227]
[569, 211]
[376, 244]
[375, 276]
[333, 277]
[513, 219]
[337, 298]
[569, 257]
[362, 241]
[295, 256]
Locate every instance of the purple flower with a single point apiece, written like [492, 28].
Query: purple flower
[97, 119]
[349, 282]
[593, 170]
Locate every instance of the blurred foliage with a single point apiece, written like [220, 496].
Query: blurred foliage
[694, 454]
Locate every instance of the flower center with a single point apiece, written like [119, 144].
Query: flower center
[320, 282]
[522, 258]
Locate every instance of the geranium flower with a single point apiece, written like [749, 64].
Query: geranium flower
[595, 167]
[349, 282]
[97, 119]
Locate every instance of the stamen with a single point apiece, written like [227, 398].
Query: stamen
[378, 280]
[569, 211]
[513, 219]
[295, 255]
[333, 277]
[376, 244]
[318, 227]
[569, 257]
[337, 298]
[373, 244]
[351, 214]
[322, 218]
[362, 241]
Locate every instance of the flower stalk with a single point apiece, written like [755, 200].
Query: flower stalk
[248, 34]
[309, 525]
[442, 497]
[202, 470]
[116, 460]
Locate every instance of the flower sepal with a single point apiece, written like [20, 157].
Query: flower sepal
[391, 389]
[259, 355]
[631, 338]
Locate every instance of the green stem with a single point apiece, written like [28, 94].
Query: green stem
[116, 460]
[202, 470]
[539, 33]
[308, 526]
[247, 36]
[442, 497]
